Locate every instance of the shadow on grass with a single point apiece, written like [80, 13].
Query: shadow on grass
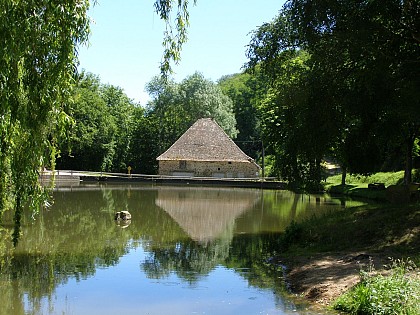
[380, 228]
[357, 191]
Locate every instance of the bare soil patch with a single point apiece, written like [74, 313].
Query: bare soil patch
[324, 277]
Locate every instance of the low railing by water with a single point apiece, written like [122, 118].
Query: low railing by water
[70, 176]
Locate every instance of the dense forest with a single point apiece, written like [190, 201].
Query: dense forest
[325, 79]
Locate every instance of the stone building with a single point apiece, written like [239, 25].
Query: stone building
[205, 150]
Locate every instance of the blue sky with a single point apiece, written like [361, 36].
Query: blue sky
[125, 46]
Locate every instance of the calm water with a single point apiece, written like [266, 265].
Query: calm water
[186, 251]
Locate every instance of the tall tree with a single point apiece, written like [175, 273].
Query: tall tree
[37, 64]
[202, 98]
[100, 138]
[91, 141]
[245, 89]
[178, 105]
[38, 60]
[121, 109]
[145, 143]
[363, 57]
[166, 108]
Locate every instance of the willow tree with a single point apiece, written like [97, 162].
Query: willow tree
[38, 62]
[175, 34]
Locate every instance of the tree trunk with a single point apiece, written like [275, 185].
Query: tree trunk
[409, 160]
[343, 175]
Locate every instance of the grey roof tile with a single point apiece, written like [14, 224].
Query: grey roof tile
[205, 140]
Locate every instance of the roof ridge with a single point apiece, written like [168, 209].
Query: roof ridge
[205, 140]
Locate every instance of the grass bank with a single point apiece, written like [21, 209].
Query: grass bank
[387, 228]
[357, 185]
[335, 246]
[398, 292]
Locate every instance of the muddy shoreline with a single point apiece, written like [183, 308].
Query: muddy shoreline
[322, 278]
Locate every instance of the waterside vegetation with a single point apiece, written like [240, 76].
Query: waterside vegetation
[395, 293]
[377, 232]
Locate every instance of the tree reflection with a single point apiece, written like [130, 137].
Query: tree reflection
[186, 231]
[189, 259]
[67, 241]
[251, 235]
[208, 216]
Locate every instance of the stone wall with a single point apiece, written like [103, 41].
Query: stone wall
[222, 169]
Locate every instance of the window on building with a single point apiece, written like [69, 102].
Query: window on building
[182, 165]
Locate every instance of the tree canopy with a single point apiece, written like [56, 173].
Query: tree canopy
[99, 139]
[360, 87]
[244, 90]
[178, 105]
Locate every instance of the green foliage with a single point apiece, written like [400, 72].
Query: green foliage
[291, 235]
[244, 89]
[296, 132]
[38, 59]
[6, 250]
[201, 98]
[100, 138]
[145, 145]
[110, 132]
[346, 97]
[397, 293]
[175, 107]
[121, 108]
[173, 40]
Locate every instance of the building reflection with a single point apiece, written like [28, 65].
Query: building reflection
[206, 213]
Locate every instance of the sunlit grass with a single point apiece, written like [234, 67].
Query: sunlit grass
[388, 178]
[357, 185]
[396, 293]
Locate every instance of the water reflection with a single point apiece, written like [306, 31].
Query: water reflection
[209, 213]
[190, 237]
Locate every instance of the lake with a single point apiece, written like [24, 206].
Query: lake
[186, 250]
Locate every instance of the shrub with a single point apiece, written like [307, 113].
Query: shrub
[291, 235]
[396, 293]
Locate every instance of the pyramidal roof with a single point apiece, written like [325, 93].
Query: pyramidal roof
[205, 140]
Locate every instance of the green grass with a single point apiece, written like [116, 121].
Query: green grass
[396, 293]
[378, 227]
[388, 178]
[357, 186]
